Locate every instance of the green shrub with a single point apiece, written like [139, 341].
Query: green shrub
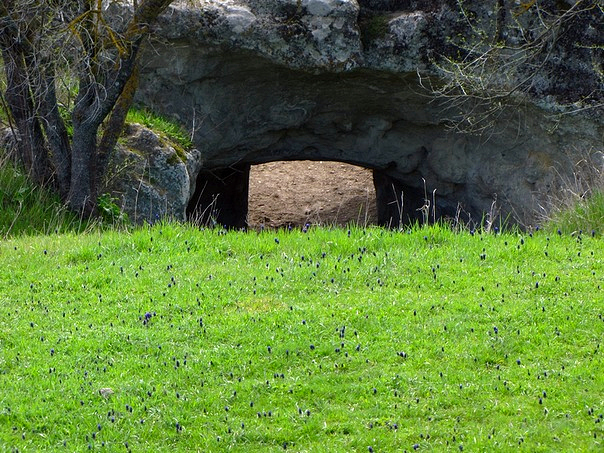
[110, 211]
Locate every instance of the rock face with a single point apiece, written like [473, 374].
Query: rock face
[150, 178]
[266, 80]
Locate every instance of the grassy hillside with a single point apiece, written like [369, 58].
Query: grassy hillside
[171, 338]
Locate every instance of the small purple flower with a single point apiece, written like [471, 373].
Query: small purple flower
[147, 318]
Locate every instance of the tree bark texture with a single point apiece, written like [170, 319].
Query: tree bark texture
[30, 141]
[115, 124]
[56, 135]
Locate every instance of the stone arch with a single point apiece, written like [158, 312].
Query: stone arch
[352, 80]
[246, 111]
[245, 107]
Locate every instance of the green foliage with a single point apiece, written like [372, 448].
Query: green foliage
[585, 214]
[163, 125]
[110, 211]
[3, 113]
[174, 338]
[66, 116]
[27, 209]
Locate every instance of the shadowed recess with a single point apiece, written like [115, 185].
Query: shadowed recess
[296, 193]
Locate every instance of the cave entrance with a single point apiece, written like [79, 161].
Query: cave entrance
[296, 193]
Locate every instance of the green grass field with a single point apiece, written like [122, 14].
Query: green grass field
[171, 338]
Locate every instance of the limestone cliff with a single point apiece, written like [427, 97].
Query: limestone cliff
[264, 80]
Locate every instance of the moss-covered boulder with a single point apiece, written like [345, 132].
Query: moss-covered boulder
[151, 177]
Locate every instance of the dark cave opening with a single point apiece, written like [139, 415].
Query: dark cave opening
[223, 197]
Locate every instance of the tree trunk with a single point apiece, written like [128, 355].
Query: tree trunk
[115, 124]
[27, 32]
[56, 134]
[30, 140]
[82, 191]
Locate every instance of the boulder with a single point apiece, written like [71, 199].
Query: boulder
[151, 177]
